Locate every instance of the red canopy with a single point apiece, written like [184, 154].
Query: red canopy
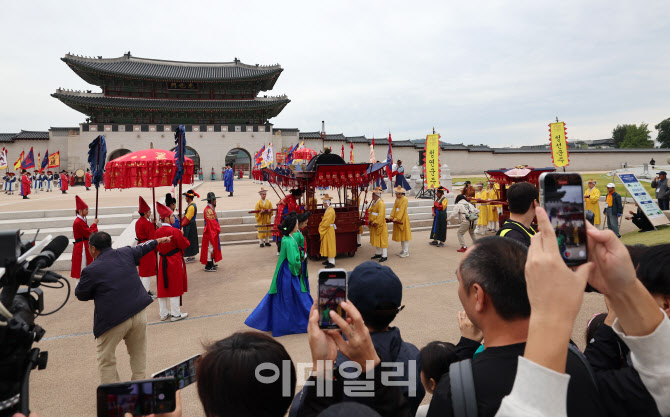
[145, 169]
[304, 153]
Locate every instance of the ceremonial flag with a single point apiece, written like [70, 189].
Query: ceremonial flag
[97, 154]
[28, 161]
[342, 155]
[372, 152]
[431, 165]
[389, 160]
[54, 160]
[17, 164]
[289, 156]
[269, 154]
[559, 144]
[351, 154]
[258, 158]
[302, 145]
[3, 159]
[179, 151]
[45, 161]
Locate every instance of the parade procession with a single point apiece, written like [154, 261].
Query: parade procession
[373, 227]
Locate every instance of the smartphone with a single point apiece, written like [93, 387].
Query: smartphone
[183, 372]
[138, 398]
[332, 291]
[562, 196]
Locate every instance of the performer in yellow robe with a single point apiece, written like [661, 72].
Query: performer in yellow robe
[492, 194]
[327, 233]
[263, 215]
[379, 232]
[591, 201]
[483, 220]
[402, 232]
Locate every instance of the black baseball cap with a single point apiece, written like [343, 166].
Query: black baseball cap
[374, 287]
[662, 173]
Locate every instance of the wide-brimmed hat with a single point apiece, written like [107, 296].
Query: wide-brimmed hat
[191, 193]
[326, 197]
[399, 189]
[378, 190]
[262, 190]
[592, 181]
[210, 196]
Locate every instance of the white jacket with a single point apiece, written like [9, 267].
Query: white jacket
[460, 210]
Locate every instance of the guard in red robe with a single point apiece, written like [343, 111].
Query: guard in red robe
[284, 207]
[81, 256]
[64, 182]
[145, 230]
[25, 184]
[211, 245]
[73, 180]
[172, 280]
[87, 179]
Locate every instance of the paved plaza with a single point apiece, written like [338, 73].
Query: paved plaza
[218, 303]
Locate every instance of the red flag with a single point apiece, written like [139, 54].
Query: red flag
[342, 152]
[351, 154]
[389, 160]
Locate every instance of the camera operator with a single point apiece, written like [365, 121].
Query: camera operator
[114, 285]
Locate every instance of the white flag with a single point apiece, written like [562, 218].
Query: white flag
[270, 155]
[372, 154]
[3, 159]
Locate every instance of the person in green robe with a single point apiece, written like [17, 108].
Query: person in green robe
[303, 219]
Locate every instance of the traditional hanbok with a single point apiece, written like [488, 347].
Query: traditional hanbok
[285, 308]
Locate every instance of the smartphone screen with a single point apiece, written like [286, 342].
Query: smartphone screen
[563, 198]
[137, 397]
[332, 291]
[183, 372]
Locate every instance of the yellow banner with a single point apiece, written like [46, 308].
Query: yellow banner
[431, 165]
[54, 160]
[559, 146]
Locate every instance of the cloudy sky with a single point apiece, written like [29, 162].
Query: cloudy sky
[491, 72]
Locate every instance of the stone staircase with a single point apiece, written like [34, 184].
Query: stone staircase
[238, 227]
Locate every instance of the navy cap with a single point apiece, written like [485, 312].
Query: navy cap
[371, 285]
[662, 173]
[349, 409]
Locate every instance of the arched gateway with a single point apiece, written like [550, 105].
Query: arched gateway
[240, 160]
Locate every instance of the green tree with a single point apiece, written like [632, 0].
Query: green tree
[619, 134]
[663, 133]
[637, 137]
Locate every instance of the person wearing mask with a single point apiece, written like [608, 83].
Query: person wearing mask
[402, 231]
[461, 211]
[613, 209]
[210, 253]
[592, 201]
[660, 183]
[190, 227]
[522, 199]
[376, 222]
[483, 221]
[285, 308]
[145, 230]
[81, 256]
[327, 229]
[120, 299]
[263, 214]
[172, 281]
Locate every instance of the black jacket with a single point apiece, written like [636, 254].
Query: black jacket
[621, 388]
[114, 285]
[494, 371]
[617, 206]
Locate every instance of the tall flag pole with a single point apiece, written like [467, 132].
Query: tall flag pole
[180, 142]
[97, 154]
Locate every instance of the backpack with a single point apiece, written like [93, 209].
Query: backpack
[472, 216]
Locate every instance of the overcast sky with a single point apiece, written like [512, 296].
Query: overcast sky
[491, 72]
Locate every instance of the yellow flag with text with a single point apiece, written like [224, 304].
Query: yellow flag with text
[431, 165]
[559, 144]
[54, 160]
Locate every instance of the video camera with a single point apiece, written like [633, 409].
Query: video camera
[21, 265]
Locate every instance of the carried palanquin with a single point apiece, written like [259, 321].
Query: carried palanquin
[146, 168]
[349, 181]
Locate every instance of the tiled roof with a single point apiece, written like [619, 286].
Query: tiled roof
[7, 137]
[286, 130]
[317, 135]
[98, 100]
[453, 147]
[64, 129]
[357, 139]
[479, 149]
[128, 66]
[402, 144]
[31, 134]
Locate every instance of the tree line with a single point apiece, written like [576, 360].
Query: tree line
[634, 136]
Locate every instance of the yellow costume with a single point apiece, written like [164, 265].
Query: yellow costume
[401, 232]
[492, 194]
[379, 232]
[264, 219]
[591, 202]
[483, 208]
[327, 233]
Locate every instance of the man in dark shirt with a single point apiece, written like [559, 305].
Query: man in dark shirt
[522, 198]
[492, 289]
[640, 220]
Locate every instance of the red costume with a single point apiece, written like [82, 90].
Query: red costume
[81, 233]
[64, 182]
[172, 280]
[284, 207]
[25, 185]
[72, 180]
[87, 180]
[145, 230]
[210, 236]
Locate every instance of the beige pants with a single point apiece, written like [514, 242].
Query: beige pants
[462, 230]
[134, 332]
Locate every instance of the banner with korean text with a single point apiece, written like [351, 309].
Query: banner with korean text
[431, 165]
[643, 199]
[559, 144]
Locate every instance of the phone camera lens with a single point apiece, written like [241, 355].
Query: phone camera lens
[161, 396]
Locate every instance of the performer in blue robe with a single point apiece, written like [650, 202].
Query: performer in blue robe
[228, 181]
[400, 177]
[285, 308]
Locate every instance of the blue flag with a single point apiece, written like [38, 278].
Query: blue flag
[179, 151]
[45, 161]
[97, 155]
[29, 160]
